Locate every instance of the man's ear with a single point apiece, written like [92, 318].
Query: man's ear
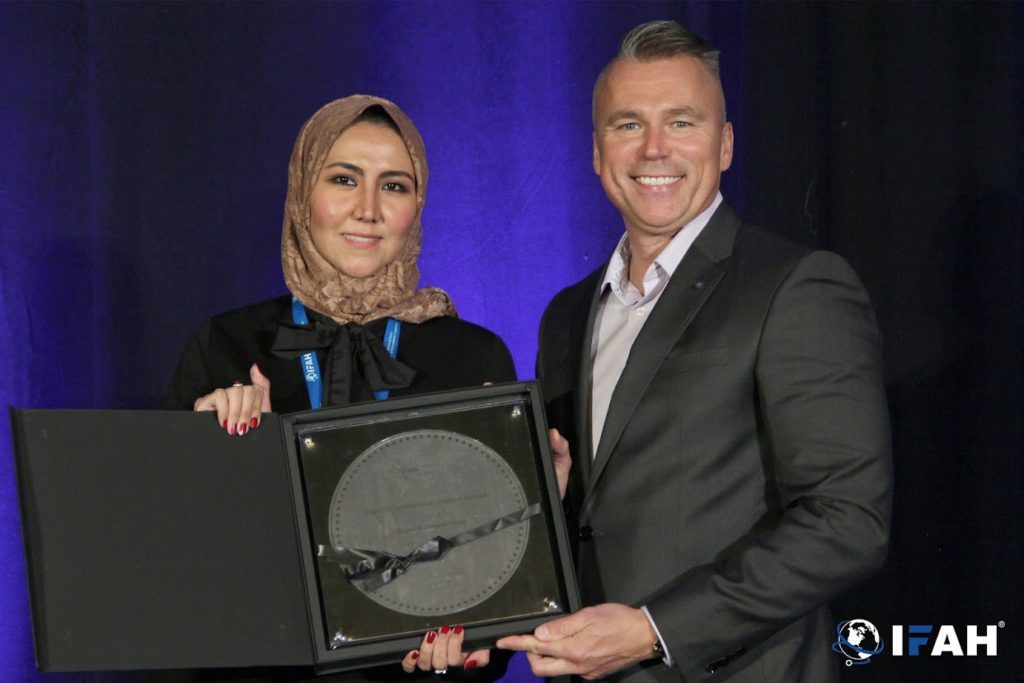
[597, 156]
[725, 154]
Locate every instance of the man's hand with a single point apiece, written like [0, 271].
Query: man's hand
[563, 460]
[593, 643]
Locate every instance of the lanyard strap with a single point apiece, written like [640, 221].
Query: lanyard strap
[311, 366]
[391, 334]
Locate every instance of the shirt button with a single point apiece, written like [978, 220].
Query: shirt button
[641, 312]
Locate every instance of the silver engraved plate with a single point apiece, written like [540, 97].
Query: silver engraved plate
[408, 488]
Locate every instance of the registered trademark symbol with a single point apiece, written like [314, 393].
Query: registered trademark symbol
[849, 662]
[1002, 624]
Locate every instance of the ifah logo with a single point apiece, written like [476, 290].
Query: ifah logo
[858, 640]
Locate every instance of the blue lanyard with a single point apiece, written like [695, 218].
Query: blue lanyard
[311, 366]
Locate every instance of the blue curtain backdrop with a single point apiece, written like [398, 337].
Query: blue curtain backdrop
[143, 149]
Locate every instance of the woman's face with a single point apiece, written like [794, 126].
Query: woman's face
[364, 202]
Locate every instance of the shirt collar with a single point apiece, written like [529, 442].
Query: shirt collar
[616, 274]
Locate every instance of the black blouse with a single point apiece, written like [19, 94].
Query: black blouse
[446, 353]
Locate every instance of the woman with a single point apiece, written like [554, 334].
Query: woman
[352, 234]
[354, 327]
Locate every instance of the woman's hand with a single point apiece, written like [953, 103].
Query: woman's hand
[563, 460]
[441, 649]
[239, 406]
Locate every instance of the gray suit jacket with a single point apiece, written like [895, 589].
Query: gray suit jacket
[743, 479]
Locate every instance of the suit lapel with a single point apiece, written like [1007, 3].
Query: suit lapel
[690, 286]
[580, 339]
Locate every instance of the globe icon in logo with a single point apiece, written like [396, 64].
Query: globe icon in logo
[858, 640]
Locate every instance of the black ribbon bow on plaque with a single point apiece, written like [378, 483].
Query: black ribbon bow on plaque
[348, 346]
[372, 569]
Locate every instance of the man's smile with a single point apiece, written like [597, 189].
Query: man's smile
[655, 180]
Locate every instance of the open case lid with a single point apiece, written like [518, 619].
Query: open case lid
[155, 540]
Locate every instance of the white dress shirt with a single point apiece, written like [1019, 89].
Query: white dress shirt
[624, 310]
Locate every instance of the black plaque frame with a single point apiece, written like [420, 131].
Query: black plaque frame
[508, 419]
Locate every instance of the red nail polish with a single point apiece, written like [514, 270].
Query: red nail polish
[458, 630]
[224, 424]
[444, 630]
[430, 637]
[470, 664]
[415, 655]
[254, 423]
[242, 429]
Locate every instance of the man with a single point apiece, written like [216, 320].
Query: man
[722, 390]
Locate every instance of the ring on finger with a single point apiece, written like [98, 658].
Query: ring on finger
[238, 384]
[440, 671]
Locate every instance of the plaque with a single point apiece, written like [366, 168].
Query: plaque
[427, 511]
[403, 483]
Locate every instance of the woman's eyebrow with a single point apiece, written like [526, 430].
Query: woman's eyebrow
[357, 170]
[344, 164]
[403, 174]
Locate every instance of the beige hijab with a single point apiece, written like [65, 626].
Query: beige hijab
[391, 291]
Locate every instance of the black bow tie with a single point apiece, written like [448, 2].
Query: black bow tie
[347, 346]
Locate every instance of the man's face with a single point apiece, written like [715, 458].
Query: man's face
[660, 142]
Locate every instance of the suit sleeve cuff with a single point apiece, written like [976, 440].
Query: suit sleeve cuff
[667, 659]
